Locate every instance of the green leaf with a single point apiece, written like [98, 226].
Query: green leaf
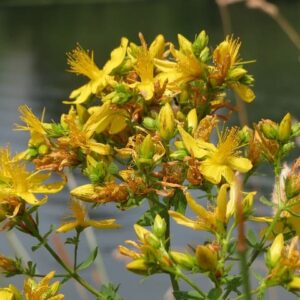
[214, 293]
[109, 292]
[180, 295]
[251, 237]
[179, 202]
[90, 259]
[265, 201]
[147, 219]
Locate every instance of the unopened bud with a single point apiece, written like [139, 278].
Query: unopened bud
[179, 154]
[274, 252]
[159, 226]
[43, 149]
[138, 266]
[166, 121]
[149, 123]
[245, 135]
[204, 55]
[200, 43]
[285, 128]
[236, 73]
[185, 261]
[288, 147]
[269, 129]
[192, 120]
[206, 258]
[147, 148]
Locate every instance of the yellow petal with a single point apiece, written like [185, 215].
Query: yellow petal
[211, 172]
[67, 227]
[118, 123]
[243, 91]
[146, 89]
[157, 47]
[195, 147]
[81, 94]
[198, 209]
[222, 203]
[183, 220]
[185, 45]
[240, 164]
[31, 199]
[103, 224]
[116, 57]
[99, 148]
[50, 188]
[84, 192]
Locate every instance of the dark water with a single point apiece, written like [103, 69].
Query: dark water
[33, 43]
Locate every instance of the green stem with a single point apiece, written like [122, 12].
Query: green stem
[242, 296]
[72, 273]
[173, 279]
[270, 229]
[76, 249]
[245, 274]
[191, 283]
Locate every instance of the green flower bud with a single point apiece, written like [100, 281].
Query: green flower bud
[204, 55]
[200, 43]
[149, 123]
[285, 128]
[185, 261]
[269, 129]
[147, 148]
[43, 149]
[236, 73]
[179, 154]
[159, 226]
[288, 147]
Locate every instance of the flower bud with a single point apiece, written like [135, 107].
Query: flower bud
[269, 129]
[147, 148]
[185, 261]
[149, 123]
[159, 226]
[274, 252]
[152, 240]
[245, 134]
[179, 154]
[285, 128]
[288, 147]
[204, 55]
[192, 120]
[236, 73]
[141, 232]
[166, 121]
[7, 264]
[200, 43]
[206, 258]
[43, 149]
[138, 266]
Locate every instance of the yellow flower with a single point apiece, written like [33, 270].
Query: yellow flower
[10, 293]
[35, 126]
[82, 221]
[222, 160]
[106, 117]
[186, 68]
[16, 181]
[81, 136]
[144, 65]
[42, 290]
[228, 68]
[81, 62]
[212, 221]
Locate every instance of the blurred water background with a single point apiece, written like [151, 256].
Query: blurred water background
[34, 37]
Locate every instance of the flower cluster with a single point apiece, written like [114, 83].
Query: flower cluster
[151, 126]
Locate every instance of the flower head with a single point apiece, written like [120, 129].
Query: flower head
[42, 290]
[81, 62]
[82, 221]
